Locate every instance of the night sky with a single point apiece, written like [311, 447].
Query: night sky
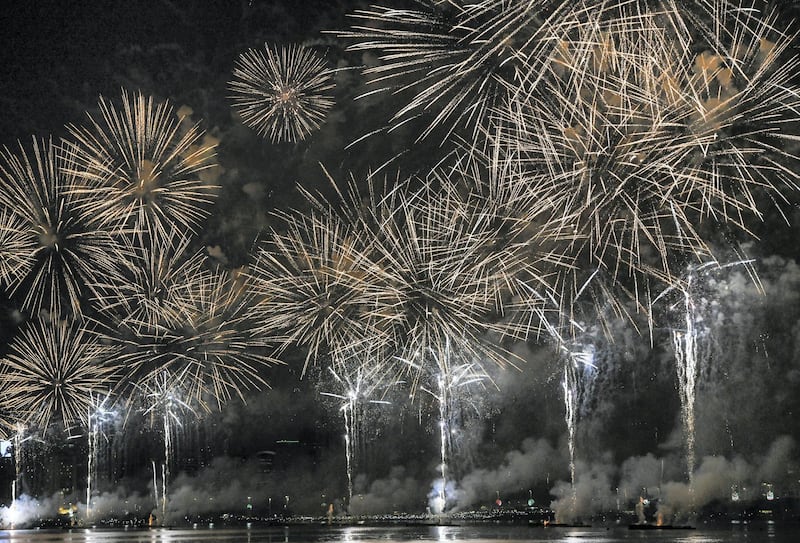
[59, 57]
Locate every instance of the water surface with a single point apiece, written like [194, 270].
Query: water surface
[403, 534]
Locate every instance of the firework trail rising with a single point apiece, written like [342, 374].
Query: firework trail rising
[691, 342]
[166, 404]
[99, 414]
[451, 381]
[357, 389]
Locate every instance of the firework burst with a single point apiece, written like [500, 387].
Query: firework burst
[192, 322]
[447, 272]
[598, 151]
[737, 110]
[53, 257]
[433, 260]
[316, 286]
[632, 157]
[152, 275]
[143, 171]
[17, 248]
[53, 371]
[282, 93]
[219, 352]
[410, 266]
[457, 60]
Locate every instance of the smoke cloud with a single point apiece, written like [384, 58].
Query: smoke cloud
[398, 492]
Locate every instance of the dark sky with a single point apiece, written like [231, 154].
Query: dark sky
[58, 57]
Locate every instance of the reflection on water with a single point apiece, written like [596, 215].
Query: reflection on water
[403, 534]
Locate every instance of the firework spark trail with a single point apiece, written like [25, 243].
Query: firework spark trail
[570, 388]
[166, 405]
[52, 371]
[52, 257]
[450, 382]
[577, 383]
[686, 364]
[141, 171]
[17, 438]
[98, 415]
[282, 93]
[357, 390]
[691, 341]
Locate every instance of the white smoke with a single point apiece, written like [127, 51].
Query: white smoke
[536, 460]
[399, 492]
[592, 492]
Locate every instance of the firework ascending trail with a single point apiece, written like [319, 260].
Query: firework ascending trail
[578, 362]
[357, 389]
[691, 342]
[282, 93]
[100, 413]
[141, 171]
[167, 407]
[452, 381]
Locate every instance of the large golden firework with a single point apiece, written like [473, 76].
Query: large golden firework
[142, 170]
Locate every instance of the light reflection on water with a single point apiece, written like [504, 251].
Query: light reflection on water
[401, 534]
